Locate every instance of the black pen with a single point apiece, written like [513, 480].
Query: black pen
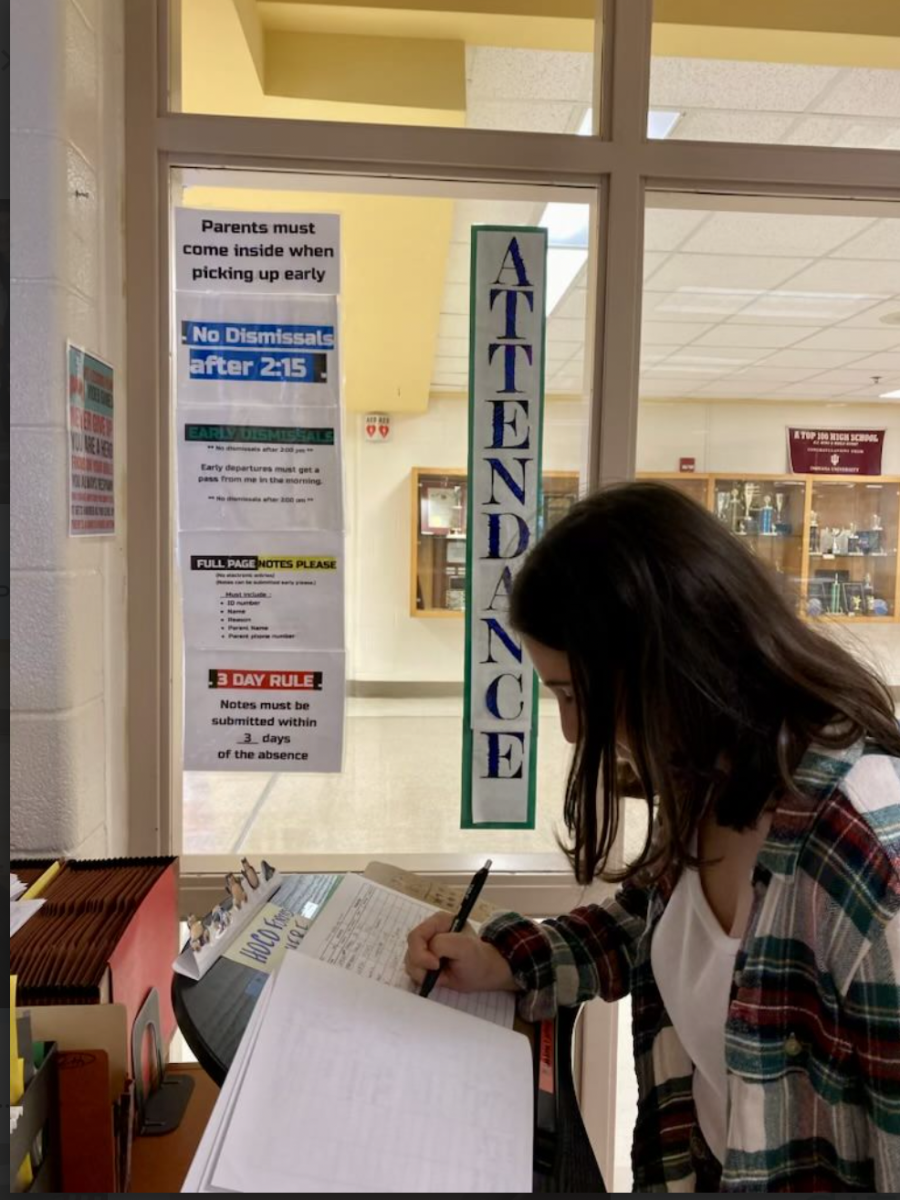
[473, 891]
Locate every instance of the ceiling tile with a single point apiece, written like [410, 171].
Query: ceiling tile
[560, 330]
[721, 358]
[790, 306]
[872, 317]
[719, 83]
[723, 271]
[849, 277]
[573, 306]
[853, 132]
[881, 241]
[856, 379]
[732, 333]
[879, 363]
[653, 260]
[690, 304]
[779, 374]
[732, 126]
[667, 228]
[843, 337]
[560, 352]
[811, 391]
[773, 234]
[500, 73]
[671, 333]
[863, 92]
[814, 359]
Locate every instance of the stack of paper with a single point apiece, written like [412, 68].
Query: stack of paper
[21, 911]
[344, 1085]
[16, 887]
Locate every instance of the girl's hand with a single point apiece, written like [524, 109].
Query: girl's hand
[471, 965]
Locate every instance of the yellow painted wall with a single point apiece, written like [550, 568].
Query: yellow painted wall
[394, 260]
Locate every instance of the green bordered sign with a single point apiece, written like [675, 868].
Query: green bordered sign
[506, 408]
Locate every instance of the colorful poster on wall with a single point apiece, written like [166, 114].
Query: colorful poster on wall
[90, 415]
[263, 591]
[240, 252]
[506, 396]
[257, 349]
[263, 712]
[835, 451]
[260, 469]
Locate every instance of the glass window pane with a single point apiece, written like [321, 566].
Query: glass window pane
[763, 317]
[770, 71]
[405, 344]
[508, 65]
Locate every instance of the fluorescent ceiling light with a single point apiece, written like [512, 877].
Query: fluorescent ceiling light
[660, 123]
[890, 395]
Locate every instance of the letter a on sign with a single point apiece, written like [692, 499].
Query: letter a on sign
[506, 405]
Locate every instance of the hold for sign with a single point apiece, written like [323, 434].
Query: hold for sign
[376, 427]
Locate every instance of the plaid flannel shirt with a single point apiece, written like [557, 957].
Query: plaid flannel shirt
[812, 1039]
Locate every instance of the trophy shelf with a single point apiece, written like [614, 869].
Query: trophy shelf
[833, 538]
[439, 512]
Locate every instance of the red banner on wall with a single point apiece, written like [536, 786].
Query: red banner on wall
[835, 451]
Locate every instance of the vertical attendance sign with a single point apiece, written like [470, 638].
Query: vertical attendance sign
[506, 397]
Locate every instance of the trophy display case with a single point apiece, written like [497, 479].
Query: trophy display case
[438, 551]
[853, 566]
[833, 539]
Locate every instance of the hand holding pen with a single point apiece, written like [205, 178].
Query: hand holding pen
[457, 925]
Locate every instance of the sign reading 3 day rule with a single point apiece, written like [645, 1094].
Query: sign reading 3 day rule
[239, 468]
[263, 591]
[263, 712]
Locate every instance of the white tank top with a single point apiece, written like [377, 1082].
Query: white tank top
[693, 964]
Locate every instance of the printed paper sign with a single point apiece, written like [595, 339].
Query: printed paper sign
[263, 591]
[243, 468]
[228, 251]
[835, 451]
[92, 506]
[263, 712]
[266, 349]
[264, 942]
[508, 296]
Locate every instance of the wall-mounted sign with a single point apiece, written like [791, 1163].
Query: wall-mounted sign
[376, 427]
[835, 451]
[687, 466]
[506, 396]
[91, 422]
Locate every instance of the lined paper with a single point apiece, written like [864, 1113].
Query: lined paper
[356, 1087]
[363, 929]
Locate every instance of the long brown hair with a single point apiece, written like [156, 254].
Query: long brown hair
[682, 642]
